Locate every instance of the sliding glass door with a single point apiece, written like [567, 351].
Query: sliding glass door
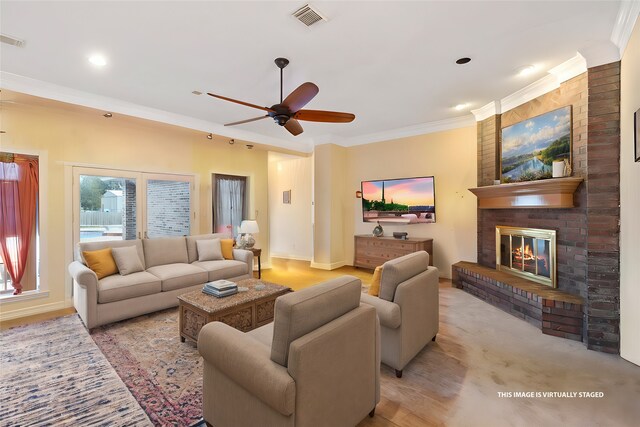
[123, 205]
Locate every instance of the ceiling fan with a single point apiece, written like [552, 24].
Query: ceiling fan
[288, 112]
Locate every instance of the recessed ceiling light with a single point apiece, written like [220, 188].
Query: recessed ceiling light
[98, 60]
[107, 115]
[196, 92]
[527, 70]
[462, 61]
[461, 107]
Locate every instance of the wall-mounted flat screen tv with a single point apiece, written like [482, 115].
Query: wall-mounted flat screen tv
[405, 200]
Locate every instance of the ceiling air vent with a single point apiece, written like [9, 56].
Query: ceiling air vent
[4, 38]
[308, 15]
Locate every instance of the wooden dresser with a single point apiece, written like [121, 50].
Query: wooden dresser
[371, 252]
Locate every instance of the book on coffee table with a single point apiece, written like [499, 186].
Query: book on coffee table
[220, 288]
[221, 285]
[220, 294]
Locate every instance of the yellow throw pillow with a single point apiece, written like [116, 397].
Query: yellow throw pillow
[374, 289]
[227, 248]
[101, 262]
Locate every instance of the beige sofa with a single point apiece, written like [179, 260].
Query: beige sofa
[317, 364]
[171, 267]
[407, 306]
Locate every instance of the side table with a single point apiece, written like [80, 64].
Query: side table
[256, 252]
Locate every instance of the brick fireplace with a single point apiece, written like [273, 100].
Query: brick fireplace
[587, 235]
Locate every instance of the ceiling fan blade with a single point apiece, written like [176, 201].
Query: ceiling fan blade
[241, 102]
[301, 96]
[324, 116]
[294, 127]
[247, 121]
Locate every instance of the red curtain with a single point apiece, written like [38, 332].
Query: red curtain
[18, 197]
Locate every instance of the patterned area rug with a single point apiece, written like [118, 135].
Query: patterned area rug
[52, 373]
[162, 373]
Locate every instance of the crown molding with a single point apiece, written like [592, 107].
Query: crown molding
[625, 22]
[55, 92]
[532, 91]
[491, 109]
[569, 68]
[405, 132]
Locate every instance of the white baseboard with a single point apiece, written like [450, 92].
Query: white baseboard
[38, 309]
[327, 266]
[292, 257]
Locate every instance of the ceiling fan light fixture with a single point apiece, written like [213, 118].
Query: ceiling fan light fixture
[290, 110]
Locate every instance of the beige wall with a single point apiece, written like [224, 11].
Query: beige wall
[290, 224]
[330, 214]
[630, 204]
[450, 157]
[64, 135]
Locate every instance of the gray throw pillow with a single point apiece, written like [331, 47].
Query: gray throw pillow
[127, 260]
[209, 250]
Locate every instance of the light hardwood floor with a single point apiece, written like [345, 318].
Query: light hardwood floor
[299, 275]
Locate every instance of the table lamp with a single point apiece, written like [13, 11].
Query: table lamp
[247, 229]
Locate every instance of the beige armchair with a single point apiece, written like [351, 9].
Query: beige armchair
[317, 364]
[407, 307]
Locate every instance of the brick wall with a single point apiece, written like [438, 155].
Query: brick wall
[488, 150]
[168, 208]
[587, 235]
[603, 209]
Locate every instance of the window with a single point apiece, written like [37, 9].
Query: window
[123, 205]
[18, 223]
[108, 207]
[229, 207]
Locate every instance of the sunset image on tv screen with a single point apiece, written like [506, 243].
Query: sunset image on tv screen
[410, 200]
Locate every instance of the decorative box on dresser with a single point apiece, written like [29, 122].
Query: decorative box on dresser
[371, 251]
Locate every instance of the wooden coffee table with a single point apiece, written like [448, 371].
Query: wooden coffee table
[244, 311]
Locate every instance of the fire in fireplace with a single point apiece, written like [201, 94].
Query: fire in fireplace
[527, 252]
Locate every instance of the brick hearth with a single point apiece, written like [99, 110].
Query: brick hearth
[554, 312]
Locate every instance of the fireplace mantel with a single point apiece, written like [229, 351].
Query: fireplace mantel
[546, 193]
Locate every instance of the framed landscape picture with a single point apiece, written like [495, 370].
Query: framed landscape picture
[529, 147]
[636, 127]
